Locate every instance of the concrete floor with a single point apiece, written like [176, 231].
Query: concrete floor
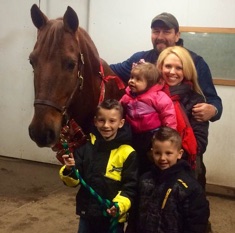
[33, 199]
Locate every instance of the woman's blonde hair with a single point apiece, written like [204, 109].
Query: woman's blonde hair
[189, 69]
[146, 70]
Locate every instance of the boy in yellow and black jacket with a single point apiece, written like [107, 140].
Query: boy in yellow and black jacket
[107, 163]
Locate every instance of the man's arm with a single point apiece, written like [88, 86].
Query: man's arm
[123, 69]
[204, 112]
[213, 108]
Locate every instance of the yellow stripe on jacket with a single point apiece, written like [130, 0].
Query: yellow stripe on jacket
[116, 160]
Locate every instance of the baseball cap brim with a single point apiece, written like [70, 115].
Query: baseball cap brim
[165, 19]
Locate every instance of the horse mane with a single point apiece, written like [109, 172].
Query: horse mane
[50, 37]
[88, 47]
[84, 36]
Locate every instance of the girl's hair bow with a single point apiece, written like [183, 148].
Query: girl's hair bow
[141, 61]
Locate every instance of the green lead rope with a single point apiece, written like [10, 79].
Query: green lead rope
[104, 202]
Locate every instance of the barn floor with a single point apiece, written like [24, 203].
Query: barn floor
[33, 199]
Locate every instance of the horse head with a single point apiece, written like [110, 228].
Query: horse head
[67, 78]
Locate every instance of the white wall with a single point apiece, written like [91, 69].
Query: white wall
[124, 27]
[220, 154]
[118, 28]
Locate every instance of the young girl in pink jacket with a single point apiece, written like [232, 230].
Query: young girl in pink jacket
[147, 108]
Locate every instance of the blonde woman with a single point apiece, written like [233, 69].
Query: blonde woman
[179, 77]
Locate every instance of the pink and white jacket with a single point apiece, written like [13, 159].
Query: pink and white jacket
[149, 110]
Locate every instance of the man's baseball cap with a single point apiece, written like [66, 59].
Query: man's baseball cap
[168, 19]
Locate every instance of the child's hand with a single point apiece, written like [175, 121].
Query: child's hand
[112, 211]
[69, 161]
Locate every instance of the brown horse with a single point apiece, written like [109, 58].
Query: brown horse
[69, 77]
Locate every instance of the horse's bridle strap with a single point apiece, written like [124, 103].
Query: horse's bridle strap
[51, 104]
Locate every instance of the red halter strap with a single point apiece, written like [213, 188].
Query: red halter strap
[118, 81]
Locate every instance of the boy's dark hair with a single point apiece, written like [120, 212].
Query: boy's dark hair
[167, 134]
[110, 104]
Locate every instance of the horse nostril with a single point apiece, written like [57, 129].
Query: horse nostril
[45, 138]
[50, 137]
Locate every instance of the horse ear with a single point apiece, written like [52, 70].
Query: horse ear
[38, 18]
[70, 20]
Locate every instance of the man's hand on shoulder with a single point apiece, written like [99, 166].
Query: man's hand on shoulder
[204, 111]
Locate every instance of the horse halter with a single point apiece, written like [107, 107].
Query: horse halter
[79, 85]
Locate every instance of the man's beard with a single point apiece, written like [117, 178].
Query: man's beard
[156, 42]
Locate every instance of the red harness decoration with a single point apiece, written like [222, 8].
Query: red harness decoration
[74, 136]
[118, 81]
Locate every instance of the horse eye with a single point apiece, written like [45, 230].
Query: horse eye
[71, 65]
